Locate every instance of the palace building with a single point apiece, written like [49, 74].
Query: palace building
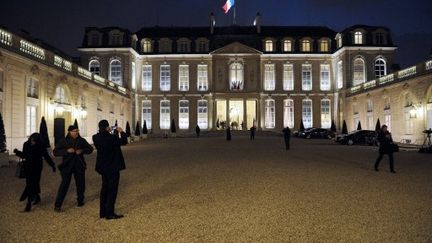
[243, 76]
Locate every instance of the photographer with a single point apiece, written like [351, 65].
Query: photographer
[33, 153]
[109, 163]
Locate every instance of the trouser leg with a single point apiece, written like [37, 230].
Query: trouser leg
[80, 184]
[378, 160]
[64, 186]
[391, 161]
[113, 182]
[103, 196]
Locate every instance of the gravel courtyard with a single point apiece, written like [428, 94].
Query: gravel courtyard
[211, 190]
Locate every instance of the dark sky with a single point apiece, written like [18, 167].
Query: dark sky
[62, 23]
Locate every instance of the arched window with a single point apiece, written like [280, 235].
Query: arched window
[115, 72]
[94, 67]
[236, 76]
[359, 72]
[269, 46]
[61, 96]
[146, 46]
[324, 45]
[306, 45]
[380, 68]
[358, 38]
[287, 46]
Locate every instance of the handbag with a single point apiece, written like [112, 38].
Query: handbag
[394, 147]
[20, 171]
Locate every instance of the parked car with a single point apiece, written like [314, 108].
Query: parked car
[358, 137]
[316, 133]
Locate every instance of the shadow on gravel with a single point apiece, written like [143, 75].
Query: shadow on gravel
[169, 188]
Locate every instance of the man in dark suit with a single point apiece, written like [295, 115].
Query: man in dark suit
[72, 149]
[109, 163]
[287, 135]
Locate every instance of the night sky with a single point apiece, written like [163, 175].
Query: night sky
[62, 24]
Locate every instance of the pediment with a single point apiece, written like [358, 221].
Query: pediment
[236, 48]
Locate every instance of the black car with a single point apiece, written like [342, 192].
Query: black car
[316, 133]
[359, 137]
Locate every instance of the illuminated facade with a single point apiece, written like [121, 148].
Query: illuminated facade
[267, 76]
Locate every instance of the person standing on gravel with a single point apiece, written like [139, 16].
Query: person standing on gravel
[385, 147]
[228, 134]
[33, 154]
[252, 132]
[109, 163]
[72, 148]
[287, 135]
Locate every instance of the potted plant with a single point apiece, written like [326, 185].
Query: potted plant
[145, 130]
[137, 130]
[128, 132]
[4, 155]
[173, 128]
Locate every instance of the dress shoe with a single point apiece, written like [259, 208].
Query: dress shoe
[80, 204]
[57, 209]
[376, 169]
[392, 171]
[28, 207]
[114, 216]
[37, 200]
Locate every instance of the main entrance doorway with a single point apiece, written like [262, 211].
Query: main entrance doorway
[237, 113]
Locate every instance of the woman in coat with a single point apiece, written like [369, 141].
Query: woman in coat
[33, 153]
[385, 147]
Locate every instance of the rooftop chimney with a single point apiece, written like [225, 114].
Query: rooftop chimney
[257, 22]
[212, 23]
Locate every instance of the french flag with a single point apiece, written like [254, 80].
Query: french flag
[228, 5]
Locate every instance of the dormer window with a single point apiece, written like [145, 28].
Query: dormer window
[201, 45]
[269, 46]
[94, 38]
[147, 46]
[94, 67]
[116, 38]
[165, 45]
[358, 38]
[339, 40]
[183, 45]
[287, 46]
[324, 45]
[305, 45]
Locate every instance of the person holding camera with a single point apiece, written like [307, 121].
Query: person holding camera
[109, 163]
[33, 153]
[72, 148]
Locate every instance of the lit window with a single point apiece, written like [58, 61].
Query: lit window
[269, 46]
[60, 95]
[306, 45]
[288, 77]
[324, 46]
[115, 72]
[269, 77]
[147, 78]
[202, 114]
[339, 41]
[94, 67]
[31, 119]
[146, 46]
[358, 72]
[183, 77]
[165, 78]
[133, 76]
[236, 76]
[358, 38]
[369, 105]
[147, 113]
[288, 113]
[269, 109]
[32, 88]
[325, 77]
[306, 77]
[325, 113]
[202, 78]
[380, 68]
[339, 75]
[183, 114]
[165, 114]
[287, 46]
[307, 113]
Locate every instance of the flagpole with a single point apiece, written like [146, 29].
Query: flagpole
[234, 21]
